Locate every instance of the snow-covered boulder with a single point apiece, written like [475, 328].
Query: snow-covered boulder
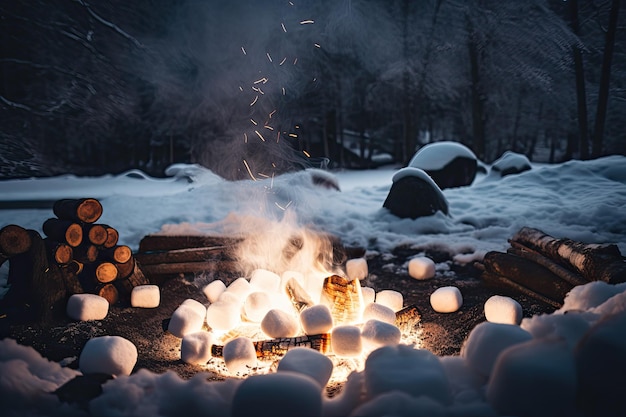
[414, 194]
[510, 163]
[449, 164]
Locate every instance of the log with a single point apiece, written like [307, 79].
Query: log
[278, 347]
[87, 210]
[202, 254]
[594, 262]
[112, 236]
[63, 231]
[125, 269]
[118, 254]
[37, 288]
[136, 278]
[106, 272]
[408, 319]
[109, 292]
[564, 273]
[96, 233]
[14, 240]
[189, 268]
[500, 282]
[528, 274]
[59, 252]
[70, 274]
[86, 253]
[155, 243]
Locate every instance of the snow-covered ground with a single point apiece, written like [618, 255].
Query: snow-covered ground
[547, 359]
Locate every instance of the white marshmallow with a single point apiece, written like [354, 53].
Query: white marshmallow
[377, 333]
[501, 309]
[240, 287]
[145, 296]
[185, 320]
[277, 323]
[390, 298]
[316, 319]
[446, 299]
[239, 355]
[112, 355]
[379, 312]
[287, 275]
[357, 268]
[369, 295]
[345, 341]
[197, 306]
[85, 307]
[223, 315]
[195, 348]
[213, 290]
[308, 362]
[257, 305]
[264, 280]
[421, 268]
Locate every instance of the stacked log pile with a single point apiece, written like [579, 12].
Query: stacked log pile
[546, 268]
[76, 255]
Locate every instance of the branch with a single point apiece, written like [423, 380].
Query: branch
[110, 24]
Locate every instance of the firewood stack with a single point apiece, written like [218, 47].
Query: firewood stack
[546, 268]
[77, 255]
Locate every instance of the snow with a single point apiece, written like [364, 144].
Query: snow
[85, 307]
[581, 200]
[435, 156]
[446, 299]
[111, 355]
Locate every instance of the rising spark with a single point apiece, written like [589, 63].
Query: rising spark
[268, 127]
[245, 137]
[254, 101]
[249, 172]
[283, 61]
[284, 28]
[307, 154]
[272, 113]
[293, 135]
[259, 135]
[269, 57]
[240, 88]
[307, 22]
[295, 61]
[258, 90]
[283, 91]
[261, 80]
[260, 174]
[253, 122]
[279, 206]
[243, 50]
[278, 137]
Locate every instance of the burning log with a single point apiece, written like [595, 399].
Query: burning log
[298, 295]
[592, 261]
[85, 210]
[343, 297]
[63, 231]
[14, 240]
[279, 347]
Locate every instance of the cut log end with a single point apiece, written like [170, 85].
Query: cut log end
[112, 237]
[109, 292]
[14, 240]
[106, 272]
[87, 210]
[97, 234]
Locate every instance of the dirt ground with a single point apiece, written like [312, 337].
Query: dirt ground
[443, 334]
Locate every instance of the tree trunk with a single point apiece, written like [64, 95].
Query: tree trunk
[605, 80]
[478, 112]
[581, 93]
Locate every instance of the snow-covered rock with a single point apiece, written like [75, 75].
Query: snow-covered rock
[145, 296]
[510, 163]
[501, 309]
[421, 268]
[487, 340]
[416, 372]
[278, 323]
[308, 362]
[281, 394]
[414, 194]
[112, 355]
[346, 341]
[446, 299]
[450, 164]
[86, 307]
[195, 348]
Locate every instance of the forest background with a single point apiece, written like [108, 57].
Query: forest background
[252, 87]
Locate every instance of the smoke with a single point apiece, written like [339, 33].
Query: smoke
[222, 77]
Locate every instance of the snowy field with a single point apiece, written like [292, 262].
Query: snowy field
[545, 362]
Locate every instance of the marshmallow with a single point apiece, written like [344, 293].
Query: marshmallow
[369, 295]
[316, 319]
[240, 287]
[390, 298]
[379, 312]
[376, 333]
[446, 299]
[308, 362]
[213, 290]
[345, 341]
[112, 355]
[87, 307]
[277, 323]
[264, 280]
[421, 268]
[197, 306]
[185, 320]
[223, 315]
[356, 268]
[239, 355]
[500, 309]
[257, 305]
[145, 296]
[195, 348]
